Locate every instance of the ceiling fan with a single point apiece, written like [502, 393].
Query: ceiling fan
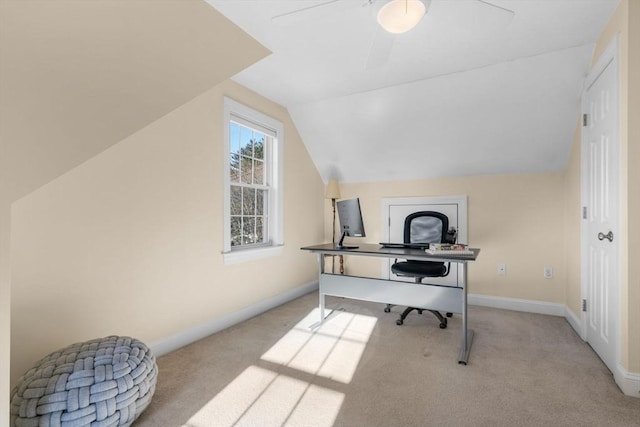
[389, 19]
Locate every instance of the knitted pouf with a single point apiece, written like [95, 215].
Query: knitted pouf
[104, 382]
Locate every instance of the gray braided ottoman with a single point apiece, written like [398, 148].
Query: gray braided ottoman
[104, 382]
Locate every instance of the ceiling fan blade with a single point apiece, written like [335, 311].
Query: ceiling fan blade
[481, 15]
[509, 13]
[318, 10]
[476, 18]
[380, 49]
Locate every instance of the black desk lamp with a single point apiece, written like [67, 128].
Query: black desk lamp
[333, 192]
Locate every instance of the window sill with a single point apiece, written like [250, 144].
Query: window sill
[243, 255]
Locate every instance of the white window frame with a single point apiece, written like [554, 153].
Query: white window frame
[274, 247]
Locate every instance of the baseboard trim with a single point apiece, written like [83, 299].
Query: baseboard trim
[515, 304]
[188, 336]
[628, 382]
[574, 321]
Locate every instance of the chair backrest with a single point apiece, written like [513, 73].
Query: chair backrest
[426, 227]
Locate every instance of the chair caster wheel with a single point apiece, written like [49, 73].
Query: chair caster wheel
[399, 322]
[443, 324]
[449, 314]
[387, 309]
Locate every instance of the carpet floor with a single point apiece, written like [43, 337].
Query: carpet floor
[361, 369]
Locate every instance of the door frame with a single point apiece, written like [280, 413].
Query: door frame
[609, 56]
[460, 200]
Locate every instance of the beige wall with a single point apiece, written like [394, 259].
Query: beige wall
[633, 189]
[514, 219]
[626, 24]
[74, 79]
[77, 77]
[573, 215]
[130, 241]
[5, 309]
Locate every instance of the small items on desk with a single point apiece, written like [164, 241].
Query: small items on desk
[453, 249]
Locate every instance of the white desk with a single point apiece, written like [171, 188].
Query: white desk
[452, 299]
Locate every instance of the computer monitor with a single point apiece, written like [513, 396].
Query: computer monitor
[350, 220]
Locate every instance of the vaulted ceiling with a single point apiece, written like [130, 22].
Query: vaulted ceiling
[478, 87]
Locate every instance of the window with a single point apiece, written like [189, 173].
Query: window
[253, 183]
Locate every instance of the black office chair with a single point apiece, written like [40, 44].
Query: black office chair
[424, 227]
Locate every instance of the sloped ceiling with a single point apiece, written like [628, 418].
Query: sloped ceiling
[478, 87]
[79, 76]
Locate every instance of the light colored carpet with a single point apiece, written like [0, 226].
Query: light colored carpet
[361, 369]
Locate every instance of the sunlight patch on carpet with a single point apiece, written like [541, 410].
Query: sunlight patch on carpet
[262, 397]
[333, 350]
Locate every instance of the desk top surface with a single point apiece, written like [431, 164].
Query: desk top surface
[368, 249]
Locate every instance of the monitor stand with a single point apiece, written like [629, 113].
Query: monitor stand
[341, 246]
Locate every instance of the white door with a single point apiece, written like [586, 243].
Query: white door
[601, 200]
[397, 209]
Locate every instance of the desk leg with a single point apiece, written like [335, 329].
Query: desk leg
[321, 295]
[321, 307]
[467, 335]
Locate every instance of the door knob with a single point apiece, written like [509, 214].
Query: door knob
[608, 236]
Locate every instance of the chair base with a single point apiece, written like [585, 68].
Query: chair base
[441, 318]
[405, 313]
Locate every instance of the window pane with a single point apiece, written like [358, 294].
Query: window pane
[234, 169]
[258, 172]
[236, 230]
[246, 146]
[234, 137]
[249, 201]
[235, 175]
[261, 207]
[246, 170]
[248, 230]
[236, 200]
[261, 230]
[252, 179]
[258, 145]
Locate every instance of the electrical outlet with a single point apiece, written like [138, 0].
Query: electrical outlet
[548, 272]
[502, 269]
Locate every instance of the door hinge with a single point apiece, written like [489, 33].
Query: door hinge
[584, 305]
[584, 120]
[584, 212]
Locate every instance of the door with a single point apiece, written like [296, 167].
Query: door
[600, 151]
[397, 209]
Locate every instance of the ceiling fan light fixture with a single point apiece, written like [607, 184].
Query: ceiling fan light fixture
[399, 16]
